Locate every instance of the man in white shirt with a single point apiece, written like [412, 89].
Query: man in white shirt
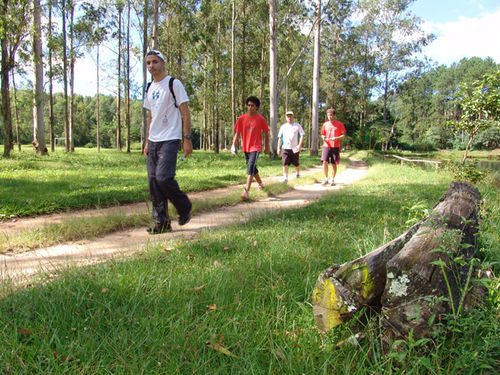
[290, 140]
[166, 101]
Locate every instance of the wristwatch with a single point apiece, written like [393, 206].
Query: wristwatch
[187, 136]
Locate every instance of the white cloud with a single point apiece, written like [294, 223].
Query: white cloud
[467, 37]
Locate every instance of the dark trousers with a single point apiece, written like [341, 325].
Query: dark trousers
[161, 165]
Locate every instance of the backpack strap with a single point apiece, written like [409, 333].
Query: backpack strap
[171, 87]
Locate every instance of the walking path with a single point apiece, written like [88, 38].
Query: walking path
[21, 267]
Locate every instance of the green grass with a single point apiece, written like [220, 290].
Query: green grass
[32, 185]
[237, 300]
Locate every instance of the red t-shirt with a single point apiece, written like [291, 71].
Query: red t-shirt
[250, 128]
[330, 130]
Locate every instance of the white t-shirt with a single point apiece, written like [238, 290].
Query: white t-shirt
[166, 120]
[290, 135]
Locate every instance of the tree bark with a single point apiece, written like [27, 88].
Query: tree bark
[38, 121]
[315, 94]
[273, 78]
[402, 277]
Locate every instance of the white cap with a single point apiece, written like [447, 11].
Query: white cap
[155, 52]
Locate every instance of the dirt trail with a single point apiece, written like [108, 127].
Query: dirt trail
[21, 267]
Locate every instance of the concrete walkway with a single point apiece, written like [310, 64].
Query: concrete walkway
[22, 267]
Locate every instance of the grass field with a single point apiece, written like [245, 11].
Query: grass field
[32, 185]
[238, 300]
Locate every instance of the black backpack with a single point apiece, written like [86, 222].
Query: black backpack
[171, 88]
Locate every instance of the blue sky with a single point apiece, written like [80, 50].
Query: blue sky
[464, 28]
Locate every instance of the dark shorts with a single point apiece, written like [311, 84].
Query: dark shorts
[331, 155]
[289, 157]
[251, 158]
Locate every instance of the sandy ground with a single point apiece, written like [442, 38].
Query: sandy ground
[22, 267]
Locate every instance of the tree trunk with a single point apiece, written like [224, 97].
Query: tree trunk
[273, 77]
[233, 57]
[401, 276]
[315, 95]
[72, 75]
[119, 82]
[144, 73]
[5, 108]
[67, 141]
[156, 8]
[16, 112]
[127, 81]
[38, 121]
[51, 95]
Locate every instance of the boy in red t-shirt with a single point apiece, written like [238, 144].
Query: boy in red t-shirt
[250, 125]
[332, 132]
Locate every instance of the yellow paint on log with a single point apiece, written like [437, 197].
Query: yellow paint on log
[328, 306]
[358, 276]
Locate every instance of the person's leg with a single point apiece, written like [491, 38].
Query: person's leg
[159, 202]
[325, 172]
[285, 173]
[335, 161]
[324, 159]
[165, 176]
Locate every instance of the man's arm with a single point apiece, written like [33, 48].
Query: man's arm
[266, 140]
[301, 141]
[187, 145]
[145, 151]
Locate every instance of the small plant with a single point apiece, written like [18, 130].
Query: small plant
[466, 172]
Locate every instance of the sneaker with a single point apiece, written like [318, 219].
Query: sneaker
[160, 228]
[325, 182]
[284, 180]
[244, 195]
[184, 219]
[260, 186]
[297, 175]
[332, 182]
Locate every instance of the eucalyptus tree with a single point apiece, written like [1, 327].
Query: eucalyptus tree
[119, 15]
[273, 77]
[93, 31]
[50, 47]
[399, 38]
[316, 77]
[38, 121]
[14, 24]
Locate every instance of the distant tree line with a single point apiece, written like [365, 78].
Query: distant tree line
[224, 51]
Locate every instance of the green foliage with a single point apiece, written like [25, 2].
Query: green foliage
[479, 104]
[466, 172]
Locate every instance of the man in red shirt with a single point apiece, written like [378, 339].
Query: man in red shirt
[332, 132]
[250, 125]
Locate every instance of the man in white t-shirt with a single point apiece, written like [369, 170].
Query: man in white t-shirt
[290, 140]
[168, 113]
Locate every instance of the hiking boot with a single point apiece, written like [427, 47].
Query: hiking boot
[325, 182]
[244, 195]
[160, 228]
[184, 219]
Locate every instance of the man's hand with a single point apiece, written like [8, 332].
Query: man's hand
[187, 146]
[145, 151]
[233, 149]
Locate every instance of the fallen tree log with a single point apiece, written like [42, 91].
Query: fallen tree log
[404, 276]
